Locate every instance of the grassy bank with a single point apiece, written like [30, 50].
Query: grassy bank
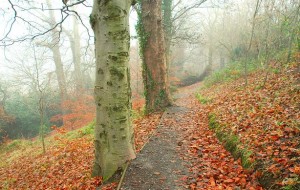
[259, 123]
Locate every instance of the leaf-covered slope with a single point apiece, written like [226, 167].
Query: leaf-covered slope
[266, 120]
[67, 163]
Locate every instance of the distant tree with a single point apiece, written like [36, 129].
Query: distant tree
[41, 89]
[5, 119]
[168, 27]
[74, 39]
[152, 47]
[27, 99]
[175, 12]
[54, 46]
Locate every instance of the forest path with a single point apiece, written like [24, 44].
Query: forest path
[183, 153]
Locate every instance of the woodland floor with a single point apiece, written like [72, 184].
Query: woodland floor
[179, 149]
[184, 154]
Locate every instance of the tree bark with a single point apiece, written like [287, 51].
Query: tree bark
[77, 57]
[154, 57]
[167, 18]
[59, 68]
[114, 141]
[210, 58]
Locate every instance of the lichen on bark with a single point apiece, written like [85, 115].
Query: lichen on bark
[114, 143]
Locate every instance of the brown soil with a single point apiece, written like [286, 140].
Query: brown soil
[184, 154]
[158, 165]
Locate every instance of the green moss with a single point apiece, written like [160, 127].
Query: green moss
[276, 71]
[93, 20]
[15, 145]
[161, 97]
[212, 121]
[9, 183]
[138, 114]
[231, 142]
[268, 181]
[143, 39]
[292, 187]
[116, 72]
[78, 133]
[117, 108]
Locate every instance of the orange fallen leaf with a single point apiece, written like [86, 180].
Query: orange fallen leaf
[228, 180]
[212, 181]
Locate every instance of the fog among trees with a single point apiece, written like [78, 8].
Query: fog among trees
[65, 64]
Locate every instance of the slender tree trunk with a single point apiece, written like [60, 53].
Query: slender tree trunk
[74, 39]
[114, 141]
[42, 127]
[154, 58]
[77, 57]
[167, 18]
[250, 43]
[291, 40]
[266, 54]
[210, 58]
[59, 68]
[41, 102]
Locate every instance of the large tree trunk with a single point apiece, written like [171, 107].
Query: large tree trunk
[154, 58]
[114, 142]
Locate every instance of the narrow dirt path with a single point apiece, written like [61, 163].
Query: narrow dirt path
[185, 154]
[158, 166]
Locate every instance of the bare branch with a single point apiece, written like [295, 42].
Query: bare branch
[65, 12]
[14, 20]
[185, 10]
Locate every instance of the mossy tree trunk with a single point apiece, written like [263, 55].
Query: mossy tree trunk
[154, 56]
[114, 143]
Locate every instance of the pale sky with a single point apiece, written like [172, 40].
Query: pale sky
[20, 29]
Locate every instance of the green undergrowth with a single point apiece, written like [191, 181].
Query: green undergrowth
[202, 99]
[15, 144]
[231, 71]
[231, 143]
[138, 114]
[239, 150]
[78, 133]
[236, 69]
[23, 147]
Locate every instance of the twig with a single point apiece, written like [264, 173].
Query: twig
[123, 175]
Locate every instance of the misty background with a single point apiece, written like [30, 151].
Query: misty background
[205, 38]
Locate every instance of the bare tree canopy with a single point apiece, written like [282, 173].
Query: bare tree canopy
[31, 15]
